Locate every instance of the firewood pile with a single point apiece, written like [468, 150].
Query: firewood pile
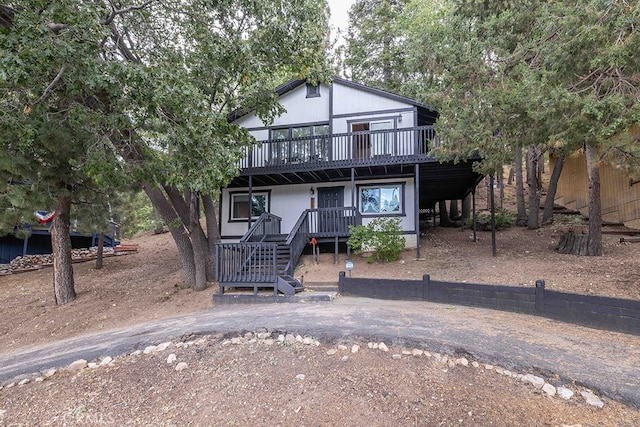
[34, 262]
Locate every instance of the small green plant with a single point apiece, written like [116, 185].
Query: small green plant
[382, 237]
[504, 219]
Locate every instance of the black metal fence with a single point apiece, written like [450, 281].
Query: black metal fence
[614, 314]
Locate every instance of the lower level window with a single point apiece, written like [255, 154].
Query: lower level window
[381, 199]
[240, 205]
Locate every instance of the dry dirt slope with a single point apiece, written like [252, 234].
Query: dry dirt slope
[256, 383]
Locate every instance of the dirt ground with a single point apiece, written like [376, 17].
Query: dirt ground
[257, 384]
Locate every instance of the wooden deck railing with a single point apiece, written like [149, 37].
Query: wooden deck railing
[345, 149]
[250, 262]
[266, 224]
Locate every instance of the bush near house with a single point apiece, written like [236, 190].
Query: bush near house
[382, 236]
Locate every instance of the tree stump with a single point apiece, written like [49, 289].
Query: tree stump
[574, 244]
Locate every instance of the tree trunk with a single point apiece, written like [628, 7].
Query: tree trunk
[177, 230]
[501, 187]
[532, 185]
[547, 215]
[444, 216]
[466, 207]
[594, 245]
[521, 219]
[213, 234]
[199, 243]
[159, 226]
[454, 213]
[63, 284]
[100, 251]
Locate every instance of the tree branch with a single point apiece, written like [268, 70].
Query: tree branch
[115, 12]
[51, 85]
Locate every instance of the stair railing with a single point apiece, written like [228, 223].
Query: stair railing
[266, 224]
[297, 240]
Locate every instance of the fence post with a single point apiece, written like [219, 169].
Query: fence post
[425, 287]
[539, 296]
[341, 277]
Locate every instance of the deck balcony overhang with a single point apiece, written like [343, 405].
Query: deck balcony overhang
[389, 153]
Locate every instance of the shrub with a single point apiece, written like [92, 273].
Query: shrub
[382, 236]
[504, 219]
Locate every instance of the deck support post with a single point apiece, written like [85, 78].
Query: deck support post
[416, 203]
[473, 217]
[335, 254]
[353, 187]
[250, 201]
[493, 217]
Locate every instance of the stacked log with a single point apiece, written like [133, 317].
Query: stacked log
[33, 262]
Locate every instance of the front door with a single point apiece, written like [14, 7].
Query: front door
[329, 220]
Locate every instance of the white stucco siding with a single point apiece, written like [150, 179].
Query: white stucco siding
[350, 100]
[300, 109]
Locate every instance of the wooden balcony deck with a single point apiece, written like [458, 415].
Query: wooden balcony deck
[346, 150]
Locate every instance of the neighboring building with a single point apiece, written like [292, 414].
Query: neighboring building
[620, 194]
[342, 154]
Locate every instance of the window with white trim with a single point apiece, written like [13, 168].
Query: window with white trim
[240, 205]
[381, 199]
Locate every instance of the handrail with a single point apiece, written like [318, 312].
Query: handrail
[267, 223]
[297, 240]
[353, 148]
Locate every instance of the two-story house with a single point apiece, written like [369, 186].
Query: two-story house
[342, 154]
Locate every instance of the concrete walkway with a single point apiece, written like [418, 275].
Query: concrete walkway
[606, 362]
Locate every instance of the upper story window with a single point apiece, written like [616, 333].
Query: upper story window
[313, 91]
[382, 199]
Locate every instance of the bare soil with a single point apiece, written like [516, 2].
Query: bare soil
[256, 384]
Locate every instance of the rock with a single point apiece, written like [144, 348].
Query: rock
[332, 351]
[355, 348]
[382, 346]
[269, 341]
[444, 360]
[342, 347]
[564, 393]
[150, 349]
[426, 353]
[396, 356]
[2, 412]
[77, 365]
[171, 358]
[39, 379]
[265, 335]
[236, 341]
[136, 353]
[370, 344]
[475, 364]
[163, 346]
[289, 339]
[248, 335]
[536, 381]
[92, 365]
[49, 372]
[500, 371]
[316, 343]
[462, 361]
[299, 339]
[307, 341]
[451, 363]
[592, 399]
[181, 366]
[12, 384]
[24, 381]
[416, 352]
[549, 389]
[225, 343]
[105, 361]
[345, 358]
[301, 376]
[281, 338]
[488, 367]
[437, 356]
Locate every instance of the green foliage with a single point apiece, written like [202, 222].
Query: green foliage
[135, 214]
[383, 236]
[504, 219]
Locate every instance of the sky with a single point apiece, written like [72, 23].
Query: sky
[339, 16]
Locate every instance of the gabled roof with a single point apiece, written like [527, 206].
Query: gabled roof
[287, 87]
